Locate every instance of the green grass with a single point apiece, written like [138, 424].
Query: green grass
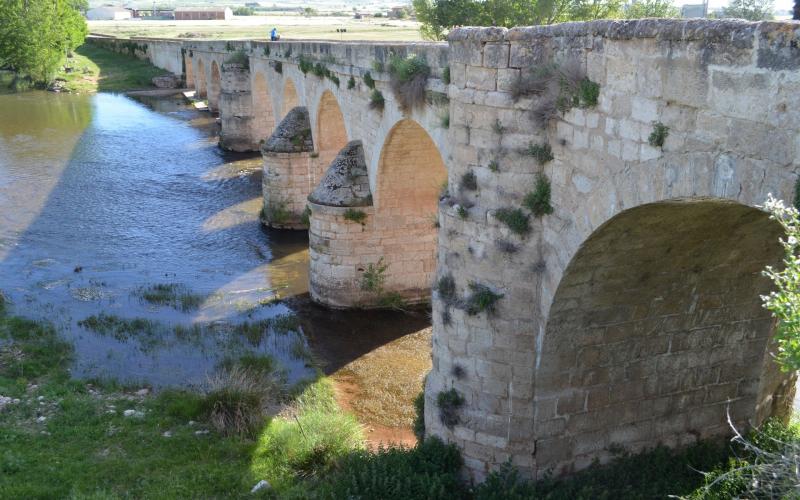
[96, 69]
[174, 295]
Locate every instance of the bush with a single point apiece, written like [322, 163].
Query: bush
[429, 471]
[351, 83]
[236, 398]
[278, 67]
[239, 57]
[408, 77]
[658, 135]
[538, 200]
[355, 215]
[469, 181]
[419, 417]
[374, 277]
[305, 65]
[515, 219]
[376, 100]
[543, 153]
[481, 299]
[446, 286]
[449, 403]
[368, 80]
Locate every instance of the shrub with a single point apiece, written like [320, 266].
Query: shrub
[449, 403]
[589, 93]
[419, 416]
[462, 212]
[538, 200]
[374, 277]
[377, 66]
[333, 78]
[429, 471]
[305, 217]
[239, 57]
[320, 70]
[481, 299]
[376, 100]
[368, 80]
[446, 76]
[305, 65]
[515, 219]
[658, 135]
[351, 83]
[235, 400]
[469, 181]
[494, 166]
[542, 153]
[355, 215]
[408, 77]
[558, 88]
[446, 286]
[278, 67]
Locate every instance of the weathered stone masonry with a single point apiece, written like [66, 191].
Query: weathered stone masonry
[629, 315]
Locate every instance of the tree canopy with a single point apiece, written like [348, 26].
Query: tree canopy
[439, 16]
[752, 10]
[35, 35]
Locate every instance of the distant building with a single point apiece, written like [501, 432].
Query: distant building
[108, 13]
[252, 5]
[694, 10]
[203, 13]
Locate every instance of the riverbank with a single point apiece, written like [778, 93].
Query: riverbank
[93, 69]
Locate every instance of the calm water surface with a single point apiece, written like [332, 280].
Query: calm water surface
[101, 195]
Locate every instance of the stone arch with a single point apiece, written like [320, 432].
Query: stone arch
[656, 332]
[330, 134]
[200, 82]
[409, 178]
[214, 87]
[188, 70]
[290, 99]
[263, 116]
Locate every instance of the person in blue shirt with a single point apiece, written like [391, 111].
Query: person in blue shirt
[273, 35]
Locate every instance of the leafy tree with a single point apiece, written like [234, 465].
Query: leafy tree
[752, 10]
[35, 35]
[796, 12]
[651, 8]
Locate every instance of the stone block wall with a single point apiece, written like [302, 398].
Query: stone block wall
[235, 109]
[629, 314]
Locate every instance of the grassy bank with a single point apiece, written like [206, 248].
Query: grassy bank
[64, 438]
[93, 69]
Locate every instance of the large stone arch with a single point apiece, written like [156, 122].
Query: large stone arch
[330, 133]
[263, 116]
[200, 81]
[656, 332]
[214, 87]
[290, 98]
[411, 172]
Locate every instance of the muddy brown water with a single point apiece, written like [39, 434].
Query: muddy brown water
[102, 194]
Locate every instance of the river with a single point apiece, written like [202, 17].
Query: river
[103, 196]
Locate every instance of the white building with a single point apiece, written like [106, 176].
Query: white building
[108, 13]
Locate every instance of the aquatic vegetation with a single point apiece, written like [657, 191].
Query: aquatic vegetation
[123, 329]
[236, 399]
[174, 295]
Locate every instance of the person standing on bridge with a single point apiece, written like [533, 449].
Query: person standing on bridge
[273, 35]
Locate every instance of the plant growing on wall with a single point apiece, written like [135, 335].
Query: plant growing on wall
[239, 57]
[538, 200]
[305, 217]
[377, 66]
[351, 83]
[494, 166]
[368, 80]
[446, 287]
[320, 70]
[784, 302]
[446, 75]
[408, 77]
[374, 277]
[278, 67]
[304, 64]
[445, 120]
[469, 181]
[449, 403]
[355, 215]
[481, 299]
[515, 219]
[557, 87]
[542, 153]
[266, 51]
[333, 78]
[658, 135]
[376, 100]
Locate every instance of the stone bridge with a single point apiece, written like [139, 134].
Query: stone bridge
[597, 248]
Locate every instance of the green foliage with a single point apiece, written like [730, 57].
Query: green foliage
[305, 217]
[239, 57]
[462, 212]
[320, 70]
[481, 299]
[333, 78]
[351, 83]
[429, 471]
[243, 11]
[278, 67]
[38, 351]
[236, 399]
[494, 166]
[752, 10]
[446, 287]
[408, 77]
[542, 153]
[376, 100]
[374, 277]
[96, 69]
[538, 200]
[658, 135]
[784, 301]
[355, 215]
[446, 75]
[368, 80]
[305, 64]
[449, 403]
[588, 93]
[377, 66]
[419, 417]
[445, 120]
[175, 295]
[229, 47]
[640, 9]
[515, 219]
[469, 181]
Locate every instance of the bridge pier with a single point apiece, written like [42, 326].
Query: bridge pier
[235, 109]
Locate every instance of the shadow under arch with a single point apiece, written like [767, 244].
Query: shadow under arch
[263, 115]
[410, 174]
[656, 332]
[330, 134]
[200, 79]
[290, 98]
[214, 87]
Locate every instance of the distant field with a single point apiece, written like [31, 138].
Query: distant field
[289, 27]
